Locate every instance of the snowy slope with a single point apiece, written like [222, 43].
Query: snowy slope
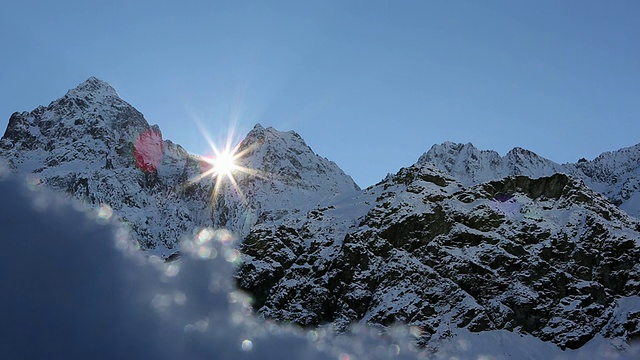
[614, 174]
[289, 178]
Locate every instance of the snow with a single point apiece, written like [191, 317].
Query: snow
[615, 174]
[73, 288]
[99, 149]
[93, 87]
[470, 165]
[193, 313]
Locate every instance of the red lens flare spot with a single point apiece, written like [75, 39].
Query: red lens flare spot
[149, 150]
[205, 165]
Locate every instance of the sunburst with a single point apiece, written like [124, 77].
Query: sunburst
[224, 165]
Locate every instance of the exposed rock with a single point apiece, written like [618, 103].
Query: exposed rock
[547, 257]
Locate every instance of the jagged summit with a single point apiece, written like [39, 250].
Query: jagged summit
[450, 153]
[285, 157]
[615, 174]
[288, 177]
[92, 87]
[464, 161]
[471, 165]
[261, 134]
[90, 123]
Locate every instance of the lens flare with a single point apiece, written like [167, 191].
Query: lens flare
[224, 165]
[149, 151]
[247, 345]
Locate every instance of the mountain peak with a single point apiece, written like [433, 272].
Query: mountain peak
[521, 151]
[259, 134]
[92, 87]
[448, 149]
[471, 165]
[89, 123]
[286, 155]
[453, 146]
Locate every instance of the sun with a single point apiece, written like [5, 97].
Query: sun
[224, 165]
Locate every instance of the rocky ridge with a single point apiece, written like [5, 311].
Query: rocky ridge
[615, 174]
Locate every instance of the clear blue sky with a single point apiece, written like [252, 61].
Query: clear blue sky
[370, 85]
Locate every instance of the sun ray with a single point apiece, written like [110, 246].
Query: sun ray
[225, 165]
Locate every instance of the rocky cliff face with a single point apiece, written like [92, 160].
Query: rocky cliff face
[464, 238]
[545, 256]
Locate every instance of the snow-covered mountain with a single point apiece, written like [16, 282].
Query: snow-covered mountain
[286, 177]
[93, 145]
[472, 166]
[464, 239]
[615, 174]
[85, 144]
[547, 257]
